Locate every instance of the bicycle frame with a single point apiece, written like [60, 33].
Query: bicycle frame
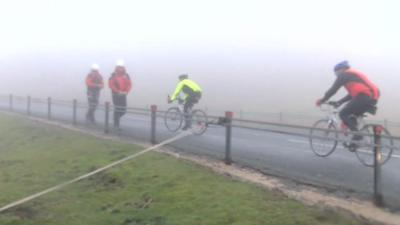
[333, 118]
[188, 117]
[363, 148]
[332, 114]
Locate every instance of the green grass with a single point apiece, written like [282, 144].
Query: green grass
[152, 189]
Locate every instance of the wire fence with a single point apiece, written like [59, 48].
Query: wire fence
[17, 103]
[231, 139]
[299, 118]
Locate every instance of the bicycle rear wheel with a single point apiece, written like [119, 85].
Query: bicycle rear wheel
[199, 122]
[365, 151]
[323, 142]
[173, 119]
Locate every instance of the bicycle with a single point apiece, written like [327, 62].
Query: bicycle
[324, 137]
[175, 116]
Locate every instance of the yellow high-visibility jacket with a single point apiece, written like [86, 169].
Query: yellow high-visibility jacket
[186, 86]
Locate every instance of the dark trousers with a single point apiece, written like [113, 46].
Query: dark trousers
[119, 102]
[190, 101]
[356, 107]
[93, 100]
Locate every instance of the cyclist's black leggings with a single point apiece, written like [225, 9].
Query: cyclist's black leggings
[192, 99]
[356, 107]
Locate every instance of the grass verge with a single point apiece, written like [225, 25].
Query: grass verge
[152, 189]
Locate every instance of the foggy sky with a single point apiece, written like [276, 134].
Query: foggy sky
[253, 55]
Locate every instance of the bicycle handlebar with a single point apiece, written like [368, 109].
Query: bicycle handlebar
[180, 101]
[332, 107]
[331, 103]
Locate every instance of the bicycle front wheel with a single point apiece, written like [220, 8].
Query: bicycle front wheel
[323, 142]
[199, 122]
[173, 119]
[365, 151]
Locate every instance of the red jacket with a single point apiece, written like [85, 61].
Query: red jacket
[360, 85]
[355, 83]
[94, 81]
[120, 83]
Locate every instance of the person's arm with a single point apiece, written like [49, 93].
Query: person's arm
[112, 85]
[339, 82]
[178, 90]
[129, 84]
[89, 82]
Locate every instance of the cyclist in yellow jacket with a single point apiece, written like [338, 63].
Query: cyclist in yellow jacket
[192, 95]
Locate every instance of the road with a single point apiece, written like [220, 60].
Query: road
[272, 153]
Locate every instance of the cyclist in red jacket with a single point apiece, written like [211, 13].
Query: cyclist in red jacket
[94, 84]
[120, 84]
[362, 95]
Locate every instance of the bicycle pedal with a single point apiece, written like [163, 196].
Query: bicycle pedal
[350, 146]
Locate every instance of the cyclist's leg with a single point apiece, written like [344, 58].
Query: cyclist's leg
[198, 97]
[347, 115]
[364, 104]
[356, 107]
[187, 109]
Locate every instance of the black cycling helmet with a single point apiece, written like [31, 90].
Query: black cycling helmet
[183, 76]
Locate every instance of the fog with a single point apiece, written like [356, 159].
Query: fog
[256, 56]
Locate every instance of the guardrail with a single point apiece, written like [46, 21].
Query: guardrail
[227, 121]
[298, 118]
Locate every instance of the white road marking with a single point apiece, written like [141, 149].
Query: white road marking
[29, 198]
[298, 141]
[306, 142]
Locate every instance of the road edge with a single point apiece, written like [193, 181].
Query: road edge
[306, 194]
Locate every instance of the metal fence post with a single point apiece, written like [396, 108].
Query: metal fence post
[378, 197]
[49, 108]
[107, 122]
[11, 102]
[153, 124]
[28, 106]
[74, 106]
[228, 140]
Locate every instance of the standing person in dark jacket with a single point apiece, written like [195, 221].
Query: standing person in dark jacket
[363, 95]
[94, 84]
[120, 84]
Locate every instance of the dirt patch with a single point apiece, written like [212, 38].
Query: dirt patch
[105, 181]
[158, 220]
[10, 162]
[23, 213]
[144, 202]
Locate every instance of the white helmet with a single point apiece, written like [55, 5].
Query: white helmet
[120, 62]
[95, 66]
